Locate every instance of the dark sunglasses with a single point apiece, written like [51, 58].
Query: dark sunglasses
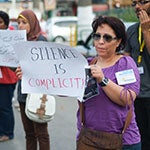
[134, 3]
[106, 37]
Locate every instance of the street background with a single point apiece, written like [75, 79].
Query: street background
[62, 129]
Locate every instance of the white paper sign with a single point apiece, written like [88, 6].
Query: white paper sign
[51, 68]
[8, 56]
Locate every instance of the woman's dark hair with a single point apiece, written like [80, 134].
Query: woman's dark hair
[116, 24]
[5, 17]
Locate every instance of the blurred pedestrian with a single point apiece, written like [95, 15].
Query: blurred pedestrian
[118, 83]
[8, 81]
[35, 133]
[138, 46]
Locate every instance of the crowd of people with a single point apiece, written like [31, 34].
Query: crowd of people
[121, 69]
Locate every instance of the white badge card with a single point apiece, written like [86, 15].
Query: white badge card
[0, 73]
[125, 77]
[141, 70]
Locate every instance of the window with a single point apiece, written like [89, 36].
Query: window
[65, 23]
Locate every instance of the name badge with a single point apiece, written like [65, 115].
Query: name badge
[125, 77]
[141, 70]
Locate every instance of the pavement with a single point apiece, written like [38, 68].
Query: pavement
[62, 129]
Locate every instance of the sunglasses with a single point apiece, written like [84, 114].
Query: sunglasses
[105, 37]
[134, 3]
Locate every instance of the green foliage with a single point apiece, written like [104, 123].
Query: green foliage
[126, 14]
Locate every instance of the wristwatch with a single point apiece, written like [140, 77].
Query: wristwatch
[104, 81]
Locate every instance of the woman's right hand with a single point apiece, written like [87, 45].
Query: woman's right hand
[97, 72]
[19, 72]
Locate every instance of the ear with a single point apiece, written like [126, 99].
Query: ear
[118, 42]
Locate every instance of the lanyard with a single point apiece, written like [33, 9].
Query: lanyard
[142, 44]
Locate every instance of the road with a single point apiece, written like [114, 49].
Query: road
[62, 128]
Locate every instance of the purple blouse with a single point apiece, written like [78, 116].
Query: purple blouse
[103, 114]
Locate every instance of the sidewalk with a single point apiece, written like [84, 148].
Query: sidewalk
[18, 143]
[62, 128]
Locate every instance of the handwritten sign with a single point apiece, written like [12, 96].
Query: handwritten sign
[8, 56]
[51, 68]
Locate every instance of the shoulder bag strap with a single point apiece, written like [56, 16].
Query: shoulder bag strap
[81, 110]
[93, 61]
[41, 110]
[129, 114]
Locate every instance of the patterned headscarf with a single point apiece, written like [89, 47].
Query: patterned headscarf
[35, 28]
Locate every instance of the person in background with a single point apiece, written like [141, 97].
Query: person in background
[118, 85]
[35, 133]
[138, 46]
[8, 80]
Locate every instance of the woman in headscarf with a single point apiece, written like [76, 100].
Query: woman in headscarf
[8, 81]
[35, 133]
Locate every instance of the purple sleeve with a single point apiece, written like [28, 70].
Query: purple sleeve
[128, 63]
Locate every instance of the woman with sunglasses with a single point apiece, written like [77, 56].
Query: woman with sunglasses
[118, 84]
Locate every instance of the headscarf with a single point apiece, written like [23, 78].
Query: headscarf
[35, 28]
[5, 17]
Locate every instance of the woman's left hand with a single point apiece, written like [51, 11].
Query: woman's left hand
[19, 72]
